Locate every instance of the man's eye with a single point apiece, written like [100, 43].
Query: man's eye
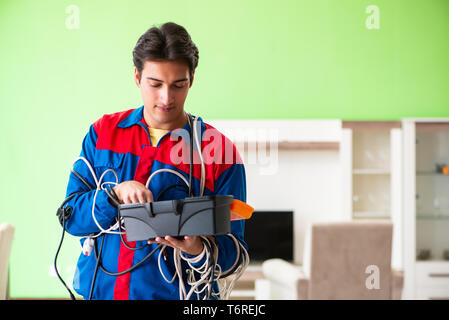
[176, 85]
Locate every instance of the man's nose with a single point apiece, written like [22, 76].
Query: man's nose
[166, 96]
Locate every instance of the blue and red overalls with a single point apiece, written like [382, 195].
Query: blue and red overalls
[121, 142]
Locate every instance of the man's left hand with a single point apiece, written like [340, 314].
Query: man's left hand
[190, 245]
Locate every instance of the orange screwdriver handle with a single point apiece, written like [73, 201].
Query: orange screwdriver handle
[240, 210]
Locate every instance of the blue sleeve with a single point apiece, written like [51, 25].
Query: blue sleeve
[231, 182]
[81, 222]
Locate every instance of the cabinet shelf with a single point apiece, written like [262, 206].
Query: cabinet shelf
[439, 260]
[371, 171]
[421, 216]
[431, 174]
[371, 214]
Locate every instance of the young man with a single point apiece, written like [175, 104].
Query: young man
[136, 143]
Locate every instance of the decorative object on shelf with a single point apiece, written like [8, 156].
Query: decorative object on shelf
[370, 160]
[423, 254]
[436, 207]
[442, 168]
[446, 254]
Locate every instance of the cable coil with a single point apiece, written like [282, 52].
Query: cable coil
[201, 278]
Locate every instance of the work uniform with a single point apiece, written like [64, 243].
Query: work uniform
[122, 142]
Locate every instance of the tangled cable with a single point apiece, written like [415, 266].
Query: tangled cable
[202, 278]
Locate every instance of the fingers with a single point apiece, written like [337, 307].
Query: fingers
[127, 199]
[134, 197]
[181, 244]
[169, 241]
[190, 245]
[149, 196]
[140, 197]
[133, 192]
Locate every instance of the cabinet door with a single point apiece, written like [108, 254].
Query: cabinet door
[432, 191]
[371, 160]
[425, 145]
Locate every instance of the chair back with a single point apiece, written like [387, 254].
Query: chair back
[6, 238]
[351, 260]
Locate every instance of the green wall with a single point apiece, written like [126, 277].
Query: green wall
[258, 60]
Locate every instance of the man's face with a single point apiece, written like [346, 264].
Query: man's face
[164, 86]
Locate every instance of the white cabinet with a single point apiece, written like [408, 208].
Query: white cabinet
[371, 156]
[426, 208]
[431, 280]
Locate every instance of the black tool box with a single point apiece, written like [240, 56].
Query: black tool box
[207, 215]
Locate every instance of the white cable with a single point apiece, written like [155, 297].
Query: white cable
[203, 283]
[89, 166]
[160, 268]
[205, 270]
[198, 144]
[165, 170]
[100, 186]
[115, 226]
[203, 170]
[227, 289]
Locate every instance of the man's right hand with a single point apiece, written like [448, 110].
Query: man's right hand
[133, 192]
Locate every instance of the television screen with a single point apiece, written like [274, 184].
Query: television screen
[269, 234]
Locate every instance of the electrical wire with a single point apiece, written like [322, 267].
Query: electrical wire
[191, 157]
[102, 268]
[210, 271]
[97, 264]
[72, 296]
[203, 170]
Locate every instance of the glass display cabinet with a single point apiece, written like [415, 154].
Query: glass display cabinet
[426, 208]
[371, 156]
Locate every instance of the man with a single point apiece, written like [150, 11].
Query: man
[134, 144]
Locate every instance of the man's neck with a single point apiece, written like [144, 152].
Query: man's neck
[178, 123]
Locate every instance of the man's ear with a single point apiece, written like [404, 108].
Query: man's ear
[136, 77]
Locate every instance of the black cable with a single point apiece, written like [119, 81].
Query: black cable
[63, 214]
[124, 271]
[57, 253]
[82, 179]
[123, 240]
[232, 270]
[115, 199]
[112, 195]
[167, 188]
[96, 269]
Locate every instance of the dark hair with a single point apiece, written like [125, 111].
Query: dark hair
[169, 42]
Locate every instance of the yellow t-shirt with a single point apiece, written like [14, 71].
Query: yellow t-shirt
[156, 135]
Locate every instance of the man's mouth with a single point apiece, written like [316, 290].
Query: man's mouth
[164, 109]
